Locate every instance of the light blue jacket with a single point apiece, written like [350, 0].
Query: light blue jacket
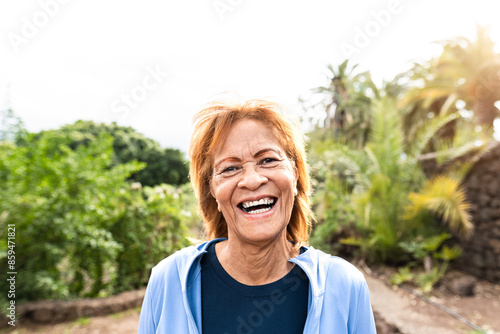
[339, 301]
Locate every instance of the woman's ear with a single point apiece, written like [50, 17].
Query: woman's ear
[212, 193]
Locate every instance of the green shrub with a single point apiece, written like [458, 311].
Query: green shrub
[81, 229]
[384, 192]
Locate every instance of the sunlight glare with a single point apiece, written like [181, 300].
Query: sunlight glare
[496, 129]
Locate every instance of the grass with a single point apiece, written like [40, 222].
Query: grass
[82, 321]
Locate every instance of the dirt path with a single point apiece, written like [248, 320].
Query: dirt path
[414, 315]
[119, 323]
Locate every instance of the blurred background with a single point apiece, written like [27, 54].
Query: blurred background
[70, 60]
[399, 100]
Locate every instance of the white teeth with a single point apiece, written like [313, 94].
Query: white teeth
[259, 211]
[262, 201]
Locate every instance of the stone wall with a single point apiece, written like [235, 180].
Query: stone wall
[61, 311]
[481, 256]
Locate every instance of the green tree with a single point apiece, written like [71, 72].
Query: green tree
[344, 104]
[163, 165]
[81, 228]
[62, 203]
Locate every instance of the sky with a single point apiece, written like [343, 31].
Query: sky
[153, 64]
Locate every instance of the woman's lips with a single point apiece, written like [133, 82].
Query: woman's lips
[262, 205]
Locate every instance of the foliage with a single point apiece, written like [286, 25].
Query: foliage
[148, 229]
[333, 212]
[81, 230]
[189, 211]
[403, 275]
[396, 175]
[343, 104]
[432, 255]
[162, 165]
[394, 202]
[11, 126]
[464, 78]
[443, 196]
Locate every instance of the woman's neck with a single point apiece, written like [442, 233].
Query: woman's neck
[253, 264]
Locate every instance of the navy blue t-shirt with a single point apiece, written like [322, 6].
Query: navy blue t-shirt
[230, 307]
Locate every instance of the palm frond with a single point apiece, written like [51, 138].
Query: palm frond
[386, 136]
[428, 131]
[446, 198]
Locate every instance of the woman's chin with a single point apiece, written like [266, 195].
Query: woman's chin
[262, 234]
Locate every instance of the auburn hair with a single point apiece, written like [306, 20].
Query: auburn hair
[211, 126]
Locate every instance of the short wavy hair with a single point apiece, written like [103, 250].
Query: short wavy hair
[211, 126]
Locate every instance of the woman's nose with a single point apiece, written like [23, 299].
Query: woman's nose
[251, 178]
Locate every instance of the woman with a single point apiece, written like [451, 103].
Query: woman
[256, 274]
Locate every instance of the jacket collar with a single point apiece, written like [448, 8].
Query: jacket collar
[312, 262]
[189, 268]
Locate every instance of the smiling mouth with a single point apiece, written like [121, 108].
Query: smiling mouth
[260, 206]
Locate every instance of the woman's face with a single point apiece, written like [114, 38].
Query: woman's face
[254, 183]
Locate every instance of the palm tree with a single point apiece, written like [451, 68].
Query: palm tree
[394, 200]
[345, 103]
[466, 70]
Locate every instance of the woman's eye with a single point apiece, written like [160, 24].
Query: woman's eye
[268, 160]
[229, 169]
